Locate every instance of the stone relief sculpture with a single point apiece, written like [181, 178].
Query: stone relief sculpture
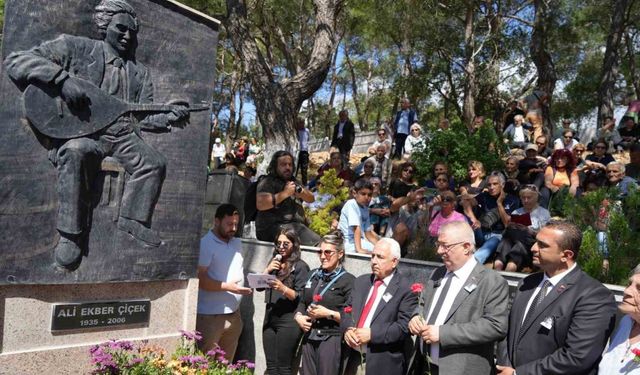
[92, 98]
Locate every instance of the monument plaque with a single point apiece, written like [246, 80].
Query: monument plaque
[74, 316]
[103, 140]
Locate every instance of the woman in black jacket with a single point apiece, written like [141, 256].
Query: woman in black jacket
[280, 333]
[325, 295]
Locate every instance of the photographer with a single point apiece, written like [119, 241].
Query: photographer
[489, 213]
[276, 204]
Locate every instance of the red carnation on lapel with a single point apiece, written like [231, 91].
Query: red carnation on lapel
[348, 309]
[317, 298]
[416, 288]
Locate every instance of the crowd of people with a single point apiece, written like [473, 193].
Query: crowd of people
[560, 319]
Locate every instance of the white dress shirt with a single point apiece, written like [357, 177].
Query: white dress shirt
[382, 289]
[340, 129]
[458, 279]
[555, 280]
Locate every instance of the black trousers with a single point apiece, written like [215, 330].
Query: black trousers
[280, 338]
[322, 357]
[400, 139]
[303, 166]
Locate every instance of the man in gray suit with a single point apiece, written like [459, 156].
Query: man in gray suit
[109, 64]
[466, 311]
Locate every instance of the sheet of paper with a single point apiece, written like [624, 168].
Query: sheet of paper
[259, 280]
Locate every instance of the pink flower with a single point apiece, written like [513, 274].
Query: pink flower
[416, 288]
[317, 298]
[348, 309]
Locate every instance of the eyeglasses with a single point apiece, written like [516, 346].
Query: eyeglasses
[612, 171]
[408, 170]
[447, 247]
[284, 245]
[415, 130]
[449, 200]
[327, 253]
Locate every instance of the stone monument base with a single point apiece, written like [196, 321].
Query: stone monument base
[28, 346]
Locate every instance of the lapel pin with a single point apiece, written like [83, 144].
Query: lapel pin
[386, 297]
[471, 287]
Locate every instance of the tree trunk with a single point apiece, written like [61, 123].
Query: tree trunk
[334, 86]
[547, 75]
[278, 101]
[468, 104]
[610, 63]
[354, 84]
[633, 70]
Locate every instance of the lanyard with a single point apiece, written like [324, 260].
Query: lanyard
[335, 278]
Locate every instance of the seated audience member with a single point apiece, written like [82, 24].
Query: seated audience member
[618, 356]
[475, 182]
[560, 173]
[577, 152]
[560, 318]
[510, 113]
[382, 165]
[565, 125]
[355, 223]
[543, 147]
[320, 317]
[230, 163]
[383, 139]
[336, 163]
[276, 201]
[403, 191]
[511, 168]
[441, 185]
[379, 207]
[379, 337]
[567, 141]
[221, 276]
[280, 332]
[531, 168]
[630, 132]
[249, 173]
[633, 167]
[609, 134]
[516, 135]
[489, 213]
[514, 249]
[600, 157]
[367, 170]
[254, 151]
[439, 167]
[616, 178]
[415, 141]
[445, 203]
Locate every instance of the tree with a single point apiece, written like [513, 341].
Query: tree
[278, 99]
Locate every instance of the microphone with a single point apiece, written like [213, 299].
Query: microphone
[278, 257]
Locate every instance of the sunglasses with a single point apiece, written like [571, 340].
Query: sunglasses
[381, 134]
[529, 187]
[284, 245]
[327, 253]
[408, 170]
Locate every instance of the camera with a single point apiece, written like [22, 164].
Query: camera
[298, 188]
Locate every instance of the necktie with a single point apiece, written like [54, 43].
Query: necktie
[440, 301]
[534, 305]
[114, 80]
[369, 304]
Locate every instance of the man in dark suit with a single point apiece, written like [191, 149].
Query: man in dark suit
[561, 318]
[466, 310]
[109, 64]
[381, 306]
[344, 135]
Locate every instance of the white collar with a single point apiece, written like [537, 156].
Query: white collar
[463, 272]
[555, 280]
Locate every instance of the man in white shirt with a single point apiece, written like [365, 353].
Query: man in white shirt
[465, 313]
[561, 318]
[221, 277]
[217, 153]
[380, 305]
[404, 118]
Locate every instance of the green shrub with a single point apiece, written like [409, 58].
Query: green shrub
[330, 195]
[457, 148]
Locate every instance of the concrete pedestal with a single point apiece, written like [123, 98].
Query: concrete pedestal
[28, 346]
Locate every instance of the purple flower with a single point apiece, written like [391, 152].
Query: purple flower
[193, 336]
